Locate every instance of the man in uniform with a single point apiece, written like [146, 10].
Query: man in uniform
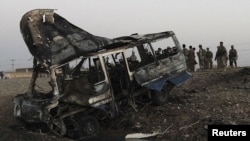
[191, 59]
[233, 56]
[202, 56]
[209, 59]
[221, 56]
[186, 53]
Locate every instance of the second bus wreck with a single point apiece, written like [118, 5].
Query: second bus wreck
[110, 74]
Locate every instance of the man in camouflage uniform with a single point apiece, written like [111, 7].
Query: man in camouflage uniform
[186, 53]
[202, 56]
[191, 59]
[233, 56]
[221, 56]
[209, 59]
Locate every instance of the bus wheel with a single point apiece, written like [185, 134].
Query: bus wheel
[161, 97]
[88, 126]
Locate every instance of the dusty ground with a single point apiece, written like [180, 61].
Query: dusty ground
[207, 98]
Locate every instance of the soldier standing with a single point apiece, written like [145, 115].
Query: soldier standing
[186, 53]
[191, 59]
[233, 57]
[202, 56]
[221, 56]
[209, 59]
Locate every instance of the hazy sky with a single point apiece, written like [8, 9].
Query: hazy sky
[195, 22]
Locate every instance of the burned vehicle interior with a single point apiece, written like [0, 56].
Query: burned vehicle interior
[91, 74]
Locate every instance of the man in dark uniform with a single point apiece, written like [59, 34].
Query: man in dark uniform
[191, 59]
[209, 59]
[233, 57]
[186, 53]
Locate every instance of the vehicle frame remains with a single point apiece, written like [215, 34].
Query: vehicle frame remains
[104, 77]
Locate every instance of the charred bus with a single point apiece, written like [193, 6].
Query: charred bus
[108, 75]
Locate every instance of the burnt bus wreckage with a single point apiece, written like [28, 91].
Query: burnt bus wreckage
[105, 79]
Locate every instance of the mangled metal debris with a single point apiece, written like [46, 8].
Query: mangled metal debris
[106, 78]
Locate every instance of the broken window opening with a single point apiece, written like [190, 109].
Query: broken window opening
[164, 48]
[84, 68]
[133, 57]
[117, 72]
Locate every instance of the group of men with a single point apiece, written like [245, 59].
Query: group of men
[205, 57]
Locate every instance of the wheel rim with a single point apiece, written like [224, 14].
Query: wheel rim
[90, 128]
